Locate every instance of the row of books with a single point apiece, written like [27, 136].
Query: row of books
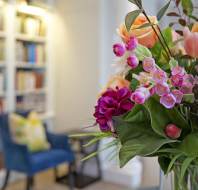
[2, 105]
[35, 102]
[30, 52]
[32, 26]
[2, 18]
[29, 80]
[2, 84]
[2, 49]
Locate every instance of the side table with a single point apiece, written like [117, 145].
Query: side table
[83, 179]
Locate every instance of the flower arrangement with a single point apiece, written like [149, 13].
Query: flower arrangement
[150, 106]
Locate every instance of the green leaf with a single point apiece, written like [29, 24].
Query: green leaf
[134, 84]
[173, 160]
[131, 17]
[137, 139]
[136, 2]
[142, 52]
[143, 144]
[187, 6]
[173, 63]
[107, 146]
[161, 117]
[184, 167]
[190, 98]
[146, 25]
[137, 115]
[164, 163]
[162, 11]
[189, 146]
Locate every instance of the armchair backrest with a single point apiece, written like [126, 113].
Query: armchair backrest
[5, 136]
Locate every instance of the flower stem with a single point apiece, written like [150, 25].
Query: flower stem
[160, 40]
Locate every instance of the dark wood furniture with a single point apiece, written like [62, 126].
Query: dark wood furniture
[1, 160]
[83, 179]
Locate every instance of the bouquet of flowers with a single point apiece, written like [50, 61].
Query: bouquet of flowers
[150, 105]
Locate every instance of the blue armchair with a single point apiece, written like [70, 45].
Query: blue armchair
[18, 158]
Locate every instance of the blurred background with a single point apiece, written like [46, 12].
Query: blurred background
[55, 57]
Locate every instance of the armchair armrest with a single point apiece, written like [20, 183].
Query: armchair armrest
[59, 141]
[17, 157]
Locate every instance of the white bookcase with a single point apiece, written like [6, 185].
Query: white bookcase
[28, 83]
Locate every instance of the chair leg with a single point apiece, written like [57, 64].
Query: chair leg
[29, 183]
[71, 177]
[6, 180]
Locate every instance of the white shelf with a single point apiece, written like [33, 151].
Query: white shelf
[28, 38]
[27, 92]
[24, 65]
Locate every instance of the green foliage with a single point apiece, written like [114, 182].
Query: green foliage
[134, 84]
[187, 6]
[173, 160]
[162, 11]
[142, 52]
[164, 162]
[189, 146]
[136, 2]
[173, 63]
[161, 117]
[137, 136]
[131, 17]
[185, 166]
[189, 98]
[159, 53]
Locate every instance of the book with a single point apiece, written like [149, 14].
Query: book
[29, 80]
[2, 49]
[31, 53]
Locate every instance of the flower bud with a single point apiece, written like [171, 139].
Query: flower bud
[118, 50]
[172, 131]
[131, 44]
[132, 61]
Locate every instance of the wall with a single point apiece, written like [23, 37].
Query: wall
[77, 58]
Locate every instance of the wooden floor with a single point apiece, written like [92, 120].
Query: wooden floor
[45, 181]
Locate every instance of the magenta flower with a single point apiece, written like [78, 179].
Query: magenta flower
[186, 88]
[140, 95]
[149, 64]
[112, 103]
[131, 44]
[178, 71]
[178, 95]
[118, 50]
[132, 61]
[177, 80]
[188, 84]
[168, 101]
[159, 76]
[162, 89]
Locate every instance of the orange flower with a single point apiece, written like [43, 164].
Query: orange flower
[114, 82]
[191, 41]
[146, 36]
[118, 81]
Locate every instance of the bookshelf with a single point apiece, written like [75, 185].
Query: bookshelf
[26, 72]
